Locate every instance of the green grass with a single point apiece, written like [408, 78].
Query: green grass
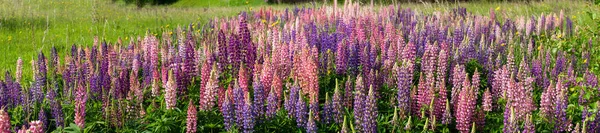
[28, 26]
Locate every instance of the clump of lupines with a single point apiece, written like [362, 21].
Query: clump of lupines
[292, 47]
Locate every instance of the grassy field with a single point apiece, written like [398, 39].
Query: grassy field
[28, 26]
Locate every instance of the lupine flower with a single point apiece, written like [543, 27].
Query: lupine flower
[528, 126]
[327, 110]
[271, 104]
[447, 116]
[404, 85]
[171, 92]
[547, 102]
[311, 126]
[259, 100]
[359, 99]
[341, 58]
[337, 107]
[487, 100]
[191, 123]
[560, 112]
[248, 118]
[466, 108]
[35, 127]
[208, 100]
[239, 104]
[369, 118]
[348, 93]
[43, 119]
[510, 122]
[4, 122]
[301, 110]
[591, 79]
[80, 101]
[228, 112]
[19, 70]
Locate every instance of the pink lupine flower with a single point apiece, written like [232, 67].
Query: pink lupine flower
[80, 101]
[171, 92]
[191, 121]
[35, 127]
[4, 122]
[208, 98]
[487, 100]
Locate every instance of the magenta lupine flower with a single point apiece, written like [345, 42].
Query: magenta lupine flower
[228, 112]
[267, 75]
[4, 122]
[475, 80]
[458, 76]
[212, 86]
[171, 92]
[80, 101]
[277, 87]
[191, 123]
[311, 126]
[337, 107]
[440, 100]
[341, 58]
[466, 108]
[205, 75]
[423, 92]
[487, 100]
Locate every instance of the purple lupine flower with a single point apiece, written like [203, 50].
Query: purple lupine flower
[327, 110]
[311, 126]
[359, 99]
[55, 107]
[536, 71]
[529, 126]
[222, 51]
[290, 103]
[43, 119]
[80, 101]
[248, 118]
[404, 85]
[560, 110]
[191, 123]
[510, 122]
[559, 65]
[239, 103]
[4, 122]
[447, 116]
[42, 71]
[228, 112]
[369, 119]
[301, 111]
[234, 50]
[271, 104]
[259, 100]
[337, 107]
[591, 79]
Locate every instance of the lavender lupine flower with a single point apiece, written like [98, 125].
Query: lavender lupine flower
[591, 79]
[301, 111]
[348, 93]
[510, 122]
[239, 104]
[337, 107]
[311, 126]
[4, 122]
[487, 100]
[447, 116]
[191, 123]
[457, 79]
[369, 118]
[80, 101]
[208, 100]
[259, 100]
[171, 92]
[271, 104]
[228, 112]
[359, 99]
[290, 103]
[43, 119]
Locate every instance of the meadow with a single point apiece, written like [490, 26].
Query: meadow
[248, 66]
